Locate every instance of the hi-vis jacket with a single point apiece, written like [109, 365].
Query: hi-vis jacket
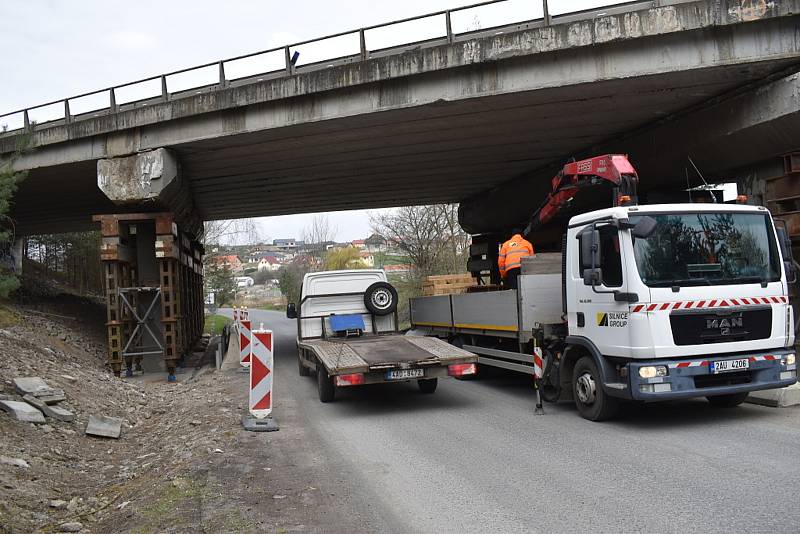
[512, 252]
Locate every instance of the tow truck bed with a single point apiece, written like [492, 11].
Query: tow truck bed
[382, 352]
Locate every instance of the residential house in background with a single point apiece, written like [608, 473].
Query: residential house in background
[375, 243]
[287, 245]
[269, 263]
[360, 244]
[232, 262]
[368, 258]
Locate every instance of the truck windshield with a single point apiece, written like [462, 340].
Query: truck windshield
[689, 249]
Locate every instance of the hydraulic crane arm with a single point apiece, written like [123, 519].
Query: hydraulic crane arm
[611, 169]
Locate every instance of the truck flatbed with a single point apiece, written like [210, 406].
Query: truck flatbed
[371, 353]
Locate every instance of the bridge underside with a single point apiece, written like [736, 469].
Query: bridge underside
[440, 152]
[483, 121]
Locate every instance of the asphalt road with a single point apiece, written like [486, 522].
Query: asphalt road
[474, 458]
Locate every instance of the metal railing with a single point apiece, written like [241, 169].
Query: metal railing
[284, 61]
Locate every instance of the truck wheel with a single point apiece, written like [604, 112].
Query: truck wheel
[592, 401]
[727, 401]
[301, 368]
[325, 385]
[428, 385]
[380, 298]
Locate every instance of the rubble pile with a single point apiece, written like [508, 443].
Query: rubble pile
[90, 444]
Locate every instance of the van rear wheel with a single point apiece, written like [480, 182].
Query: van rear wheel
[428, 385]
[301, 367]
[325, 385]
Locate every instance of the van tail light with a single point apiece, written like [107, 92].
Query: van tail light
[354, 379]
[461, 369]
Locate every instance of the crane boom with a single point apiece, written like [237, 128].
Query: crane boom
[612, 169]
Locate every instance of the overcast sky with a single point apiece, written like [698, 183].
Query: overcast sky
[52, 49]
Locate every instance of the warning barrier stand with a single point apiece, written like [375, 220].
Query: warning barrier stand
[245, 344]
[261, 379]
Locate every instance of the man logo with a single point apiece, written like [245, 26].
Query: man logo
[724, 325]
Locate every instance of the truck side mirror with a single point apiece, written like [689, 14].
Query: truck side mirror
[644, 227]
[791, 274]
[785, 243]
[291, 311]
[590, 248]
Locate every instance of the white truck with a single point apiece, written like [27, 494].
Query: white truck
[644, 303]
[347, 332]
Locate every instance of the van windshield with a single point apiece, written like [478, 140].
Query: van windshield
[708, 248]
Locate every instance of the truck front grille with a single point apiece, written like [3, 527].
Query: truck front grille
[691, 327]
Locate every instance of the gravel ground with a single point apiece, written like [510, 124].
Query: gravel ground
[183, 462]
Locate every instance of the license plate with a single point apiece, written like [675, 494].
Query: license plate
[723, 366]
[405, 374]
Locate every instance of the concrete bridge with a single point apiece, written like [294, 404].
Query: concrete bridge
[465, 117]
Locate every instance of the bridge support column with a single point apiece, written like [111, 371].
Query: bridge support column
[153, 277]
[158, 257]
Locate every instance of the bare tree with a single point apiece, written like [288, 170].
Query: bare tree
[232, 231]
[429, 235]
[316, 236]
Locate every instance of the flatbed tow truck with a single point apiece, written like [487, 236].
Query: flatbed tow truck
[644, 303]
[347, 332]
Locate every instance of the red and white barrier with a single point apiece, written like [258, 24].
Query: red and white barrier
[260, 405]
[537, 363]
[245, 343]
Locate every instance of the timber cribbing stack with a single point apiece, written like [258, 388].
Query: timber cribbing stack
[147, 257]
[447, 284]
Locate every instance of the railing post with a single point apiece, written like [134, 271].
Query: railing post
[288, 60]
[164, 93]
[363, 43]
[546, 12]
[67, 115]
[221, 74]
[112, 100]
[26, 120]
[449, 23]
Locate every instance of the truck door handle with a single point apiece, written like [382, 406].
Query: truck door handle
[581, 319]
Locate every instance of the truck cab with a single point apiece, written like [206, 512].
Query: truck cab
[676, 301]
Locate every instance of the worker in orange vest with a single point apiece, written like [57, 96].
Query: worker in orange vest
[510, 259]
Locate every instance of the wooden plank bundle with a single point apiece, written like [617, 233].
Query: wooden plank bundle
[447, 284]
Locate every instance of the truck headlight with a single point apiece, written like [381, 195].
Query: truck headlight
[652, 371]
[789, 359]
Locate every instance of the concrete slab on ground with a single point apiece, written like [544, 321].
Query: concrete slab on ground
[61, 414]
[780, 398]
[104, 426]
[22, 411]
[232, 354]
[32, 385]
